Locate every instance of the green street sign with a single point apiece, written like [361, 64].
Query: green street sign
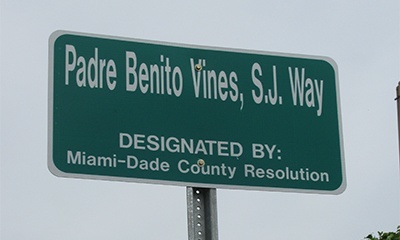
[144, 111]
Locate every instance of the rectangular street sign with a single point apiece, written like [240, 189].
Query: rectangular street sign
[144, 111]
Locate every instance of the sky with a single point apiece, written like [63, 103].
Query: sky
[362, 37]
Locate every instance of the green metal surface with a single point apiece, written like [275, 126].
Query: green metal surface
[134, 110]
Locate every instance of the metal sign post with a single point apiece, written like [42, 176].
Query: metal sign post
[398, 110]
[202, 213]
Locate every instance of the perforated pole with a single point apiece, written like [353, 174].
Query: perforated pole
[202, 213]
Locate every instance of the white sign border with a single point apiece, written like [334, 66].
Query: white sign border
[57, 172]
